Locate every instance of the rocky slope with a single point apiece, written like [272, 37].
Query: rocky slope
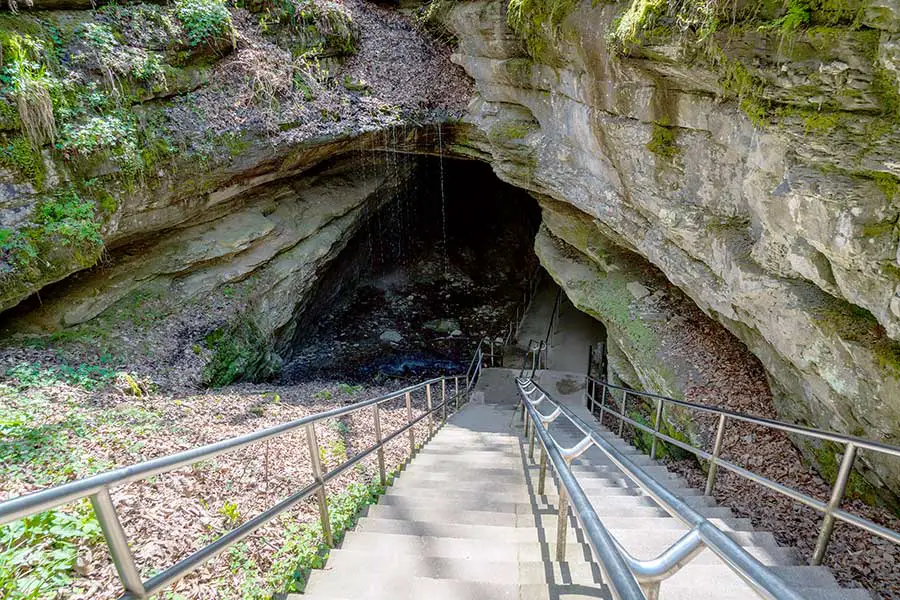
[745, 149]
[202, 155]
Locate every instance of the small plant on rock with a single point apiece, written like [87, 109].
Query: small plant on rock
[205, 21]
[30, 84]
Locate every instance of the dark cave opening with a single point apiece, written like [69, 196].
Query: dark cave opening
[432, 271]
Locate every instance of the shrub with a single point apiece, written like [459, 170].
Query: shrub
[205, 21]
[68, 215]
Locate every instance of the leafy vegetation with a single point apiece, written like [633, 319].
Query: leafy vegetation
[112, 135]
[305, 547]
[205, 21]
[25, 75]
[88, 377]
[61, 220]
[38, 554]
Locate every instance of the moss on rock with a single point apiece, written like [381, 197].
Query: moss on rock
[240, 352]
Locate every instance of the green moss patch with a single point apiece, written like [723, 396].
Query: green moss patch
[663, 140]
[240, 352]
[855, 324]
[539, 23]
[20, 157]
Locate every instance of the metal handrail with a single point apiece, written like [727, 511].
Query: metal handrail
[831, 509]
[536, 349]
[97, 487]
[650, 573]
[616, 573]
[515, 323]
[554, 317]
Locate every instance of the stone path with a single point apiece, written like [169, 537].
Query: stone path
[573, 333]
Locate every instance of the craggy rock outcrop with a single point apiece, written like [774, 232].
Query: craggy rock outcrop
[754, 164]
[271, 243]
[124, 121]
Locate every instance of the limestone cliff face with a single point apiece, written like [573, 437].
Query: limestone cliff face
[759, 175]
[122, 122]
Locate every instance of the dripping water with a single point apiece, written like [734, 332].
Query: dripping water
[443, 201]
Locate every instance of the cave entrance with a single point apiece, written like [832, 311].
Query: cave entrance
[436, 267]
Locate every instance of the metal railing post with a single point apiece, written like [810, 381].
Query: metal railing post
[562, 524]
[430, 413]
[656, 425]
[837, 494]
[717, 450]
[117, 543]
[444, 400]
[590, 360]
[622, 414]
[456, 392]
[542, 474]
[376, 413]
[409, 420]
[531, 440]
[317, 475]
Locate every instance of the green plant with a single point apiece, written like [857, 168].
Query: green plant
[88, 377]
[113, 135]
[339, 427]
[38, 553]
[798, 14]
[231, 512]
[346, 388]
[20, 156]
[67, 214]
[539, 22]
[305, 549]
[30, 83]
[325, 395]
[205, 21]
[640, 16]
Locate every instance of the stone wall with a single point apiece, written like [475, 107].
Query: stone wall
[757, 177]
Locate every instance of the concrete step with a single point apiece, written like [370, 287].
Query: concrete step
[522, 495]
[451, 530]
[545, 529]
[646, 524]
[416, 588]
[473, 503]
[534, 572]
[442, 515]
[473, 549]
[475, 472]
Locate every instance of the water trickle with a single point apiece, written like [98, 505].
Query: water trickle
[443, 202]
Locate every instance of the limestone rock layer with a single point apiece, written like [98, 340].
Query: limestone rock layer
[755, 169]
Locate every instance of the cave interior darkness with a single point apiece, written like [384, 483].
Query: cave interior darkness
[441, 264]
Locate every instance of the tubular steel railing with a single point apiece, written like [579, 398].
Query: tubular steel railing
[97, 487]
[832, 509]
[537, 350]
[494, 349]
[622, 572]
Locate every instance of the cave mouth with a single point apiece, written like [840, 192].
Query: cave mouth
[436, 268]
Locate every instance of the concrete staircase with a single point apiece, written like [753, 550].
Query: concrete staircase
[464, 521]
